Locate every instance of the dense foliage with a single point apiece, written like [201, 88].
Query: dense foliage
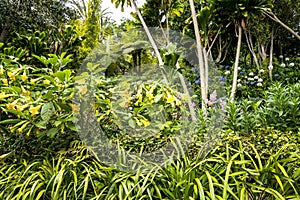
[254, 154]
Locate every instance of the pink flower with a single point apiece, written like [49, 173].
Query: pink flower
[213, 96]
[193, 105]
[223, 104]
[208, 102]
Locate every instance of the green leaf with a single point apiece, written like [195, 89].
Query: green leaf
[10, 121]
[47, 111]
[157, 98]
[177, 12]
[131, 123]
[57, 123]
[52, 132]
[60, 75]
[42, 59]
[16, 113]
[41, 124]
[67, 74]
[211, 186]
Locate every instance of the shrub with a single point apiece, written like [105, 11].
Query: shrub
[282, 107]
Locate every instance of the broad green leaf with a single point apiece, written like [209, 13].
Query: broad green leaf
[47, 111]
[60, 75]
[132, 123]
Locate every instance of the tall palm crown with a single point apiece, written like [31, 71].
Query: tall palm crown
[121, 3]
[240, 9]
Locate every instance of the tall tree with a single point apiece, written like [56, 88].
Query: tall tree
[32, 14]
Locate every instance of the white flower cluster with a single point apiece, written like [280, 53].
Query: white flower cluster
[227, 72]
[286, 60]
[252, 78]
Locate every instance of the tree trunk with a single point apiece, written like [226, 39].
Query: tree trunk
[213, 42]
[261, 51]
[4, 32]
[186, 91]
[236, 64]
[200, 58]
[154, 46]
[181, 78]
[167, 27]
[206, 66]
[160, 61]
[251, 48]
[271, 54]
[218, 59]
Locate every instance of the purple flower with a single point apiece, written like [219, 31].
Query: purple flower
[241, 72]
[222, 78]
[252, 83]
[276, 75]
[197, 81]
[228, 67]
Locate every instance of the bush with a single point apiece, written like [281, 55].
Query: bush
[237, 168]
[282, 107]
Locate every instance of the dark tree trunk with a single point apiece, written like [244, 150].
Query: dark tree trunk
[4, 31]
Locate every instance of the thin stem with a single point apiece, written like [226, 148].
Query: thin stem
[236, 64]
[272, 16]
[153, 44]
[200, 57]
